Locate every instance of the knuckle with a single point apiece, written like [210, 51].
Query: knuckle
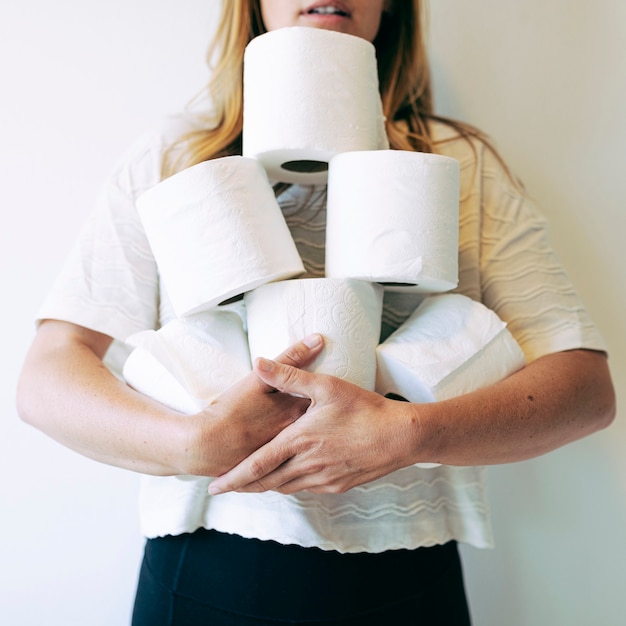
[290, 375]
[316, 468]
[333, 386]
[291, 356]
[257, 470]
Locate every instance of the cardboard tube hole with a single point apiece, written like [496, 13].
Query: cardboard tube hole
[307, 167]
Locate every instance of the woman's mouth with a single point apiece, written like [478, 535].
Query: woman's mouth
[334, 9]
[327, 11]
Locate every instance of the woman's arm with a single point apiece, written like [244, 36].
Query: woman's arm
[66, 391]
[350, 436]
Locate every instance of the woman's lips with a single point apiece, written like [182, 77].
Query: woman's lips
[327, 9]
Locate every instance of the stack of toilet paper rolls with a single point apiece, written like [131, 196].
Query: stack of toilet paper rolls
[218, 234]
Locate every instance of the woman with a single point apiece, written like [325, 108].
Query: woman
[332, 522]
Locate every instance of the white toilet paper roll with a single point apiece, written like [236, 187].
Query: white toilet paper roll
[188, 362]
[393, 218]
[347, 312]
[216, 230]
[309, 94]
[450, 345]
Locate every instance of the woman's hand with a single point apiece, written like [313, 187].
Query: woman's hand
[66, 391]
[245, 417]
[348, 436]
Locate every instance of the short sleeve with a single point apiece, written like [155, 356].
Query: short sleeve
[521, 277]
[109, 281]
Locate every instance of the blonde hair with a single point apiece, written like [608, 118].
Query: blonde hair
[404, 78]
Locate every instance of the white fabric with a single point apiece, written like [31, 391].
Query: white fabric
[110, 284]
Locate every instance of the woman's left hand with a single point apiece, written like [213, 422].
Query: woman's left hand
[348, 436]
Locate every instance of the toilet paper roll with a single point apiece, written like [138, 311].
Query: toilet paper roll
[147, 375]
[216, 230]
[449, 346]
[393, 218]
[309, 94]
[347, 312]
[189, 362]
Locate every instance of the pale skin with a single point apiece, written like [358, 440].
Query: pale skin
[350, 436]
[346, 436]
[338, 436]
[67, 392]
[360, 18]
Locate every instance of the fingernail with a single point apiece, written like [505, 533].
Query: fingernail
[214, 491]
[312, 341]
[265, 365]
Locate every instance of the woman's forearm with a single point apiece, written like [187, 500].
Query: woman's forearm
[553, 401]
[350, 436]
[67, 392]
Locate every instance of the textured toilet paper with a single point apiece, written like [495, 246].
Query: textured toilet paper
[309, 94]
[451, 345]
[188, 362]
[393, 218]
[145, 373]
[347, 312]
[216, 231]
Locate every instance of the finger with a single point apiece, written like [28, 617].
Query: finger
[286, 478]
[300, 354]
[285, 378]
[252, 473]
[325, 482]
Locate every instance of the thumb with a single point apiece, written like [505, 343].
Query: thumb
[285, 378]
[302, 352]
[299, 354]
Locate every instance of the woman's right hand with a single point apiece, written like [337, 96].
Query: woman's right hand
[244, 417]
[66, 392]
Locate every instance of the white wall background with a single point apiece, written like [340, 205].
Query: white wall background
[81, 79]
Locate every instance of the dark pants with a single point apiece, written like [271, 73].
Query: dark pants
[213, 579]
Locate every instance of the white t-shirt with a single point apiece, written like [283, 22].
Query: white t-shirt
[110, 283]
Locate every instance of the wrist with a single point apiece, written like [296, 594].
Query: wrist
[198, 443]
[423, 438]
